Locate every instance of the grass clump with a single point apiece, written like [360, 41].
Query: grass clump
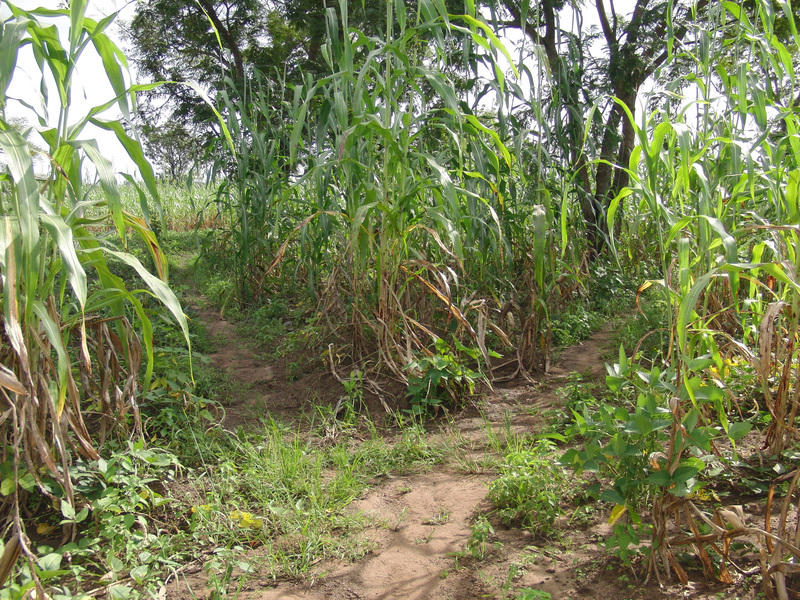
[530, 489]
[288, 493]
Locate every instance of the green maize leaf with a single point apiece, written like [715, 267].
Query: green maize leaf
[759, 106]
[400, 11]
[53, 333]
[62, 234]
[728, 241]
[472, 21]
[107, 180]
[441, 8]
[48, 50]
[677, 228]
[113, 62]
[611, 215]
[686, 308]
[787, 12]
[685, 274]
[332, 28]
[444, 177]
[11, 34]
[539, 242]
[10, 243]
[147, 335]
[25, 207]
[213, 27]
[780, 274]
[150, 240]
[793, 196]
[204, 97]
[158, 288]
[300, 122]
[135, 152]
[443, 87]
[785, 57]
[144, 205]
[26, 198]
[74, 130]
[563, 219]
[500, 146]
[77, 10]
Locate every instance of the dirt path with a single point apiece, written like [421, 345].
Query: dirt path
[423, 521]
[428, 521]
[256, 384]
[417, 559]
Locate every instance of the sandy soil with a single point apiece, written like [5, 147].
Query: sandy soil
[421, 554]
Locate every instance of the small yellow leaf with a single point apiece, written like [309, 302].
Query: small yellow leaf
[616, 513]
[44, 528]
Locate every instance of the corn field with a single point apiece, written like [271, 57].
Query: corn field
[415, 215]
[77, 345]
[428, 203]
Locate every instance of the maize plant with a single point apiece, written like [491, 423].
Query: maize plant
[77, 344]
[715, 177]
[397, 196]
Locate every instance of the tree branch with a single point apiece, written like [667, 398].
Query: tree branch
[548, 39]
[225, 35]
[611, 39]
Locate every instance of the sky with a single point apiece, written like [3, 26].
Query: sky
[90, 88]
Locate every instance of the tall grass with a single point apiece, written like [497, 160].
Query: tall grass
[400, 204]
[75, 336]
[714, 179]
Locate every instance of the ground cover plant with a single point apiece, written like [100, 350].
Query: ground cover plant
[420, 216]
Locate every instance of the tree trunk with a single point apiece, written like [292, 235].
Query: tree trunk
[630, 63]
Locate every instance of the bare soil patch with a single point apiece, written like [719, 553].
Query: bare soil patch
[421, 523]
[257, 385]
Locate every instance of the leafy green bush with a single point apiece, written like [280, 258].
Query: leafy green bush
[441, 379]
[481, 530]
[119, 539]
[646, 329]
[627, 445]
[530, 489]
[578, 322]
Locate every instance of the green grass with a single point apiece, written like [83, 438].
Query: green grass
[274, 488]
[289, 493]
[530, 489]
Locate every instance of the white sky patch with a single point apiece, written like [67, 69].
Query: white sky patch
[91, 88]
[523, 50]
[90, 85]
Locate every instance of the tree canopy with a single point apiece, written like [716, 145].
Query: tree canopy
[208, 41]
[221, 44]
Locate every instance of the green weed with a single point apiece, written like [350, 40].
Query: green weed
[530, 489]
[440, 380]
[481, 532]
[574, 324]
